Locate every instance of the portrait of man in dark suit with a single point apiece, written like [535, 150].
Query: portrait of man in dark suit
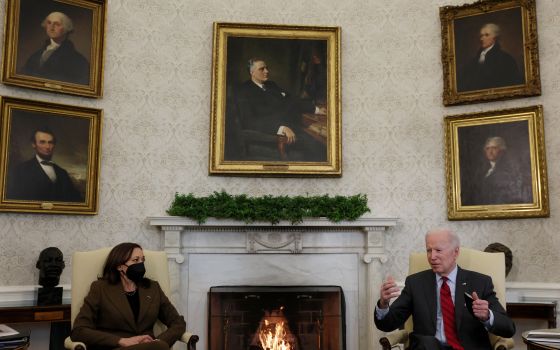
[268, 96]
[47, 156]
[54, 41]
[489, 51]
[58, 58]
[39, 178]
[262, 106]
[493, 170]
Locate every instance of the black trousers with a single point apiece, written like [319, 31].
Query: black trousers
[426, 342]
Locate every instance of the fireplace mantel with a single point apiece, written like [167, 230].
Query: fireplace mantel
[315, 251]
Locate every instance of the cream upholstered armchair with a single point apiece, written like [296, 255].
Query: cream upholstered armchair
[491, 264]
[87, 266]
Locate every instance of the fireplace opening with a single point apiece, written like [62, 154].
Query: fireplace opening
[276, 318]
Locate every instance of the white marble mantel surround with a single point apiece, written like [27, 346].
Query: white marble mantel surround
[314, 252]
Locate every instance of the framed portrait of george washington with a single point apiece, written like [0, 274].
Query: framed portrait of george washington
[50, 157]
[276, 107]
[489, 51]
[55, 45]
[496, 165]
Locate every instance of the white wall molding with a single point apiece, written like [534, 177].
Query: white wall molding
[27, 295]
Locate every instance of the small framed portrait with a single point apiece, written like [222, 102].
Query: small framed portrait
[50, 157]
[489, 51]
[275, 101]
[496, 165]
[55, 45]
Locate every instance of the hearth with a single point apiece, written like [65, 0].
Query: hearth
[276, 318]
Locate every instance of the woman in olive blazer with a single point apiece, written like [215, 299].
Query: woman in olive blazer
[122, 307]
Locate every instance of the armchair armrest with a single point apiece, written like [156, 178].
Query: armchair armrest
[73, 345]
[394, 338]
[504, 344]
[190, 339]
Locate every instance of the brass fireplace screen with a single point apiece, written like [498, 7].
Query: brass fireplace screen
[276, 318]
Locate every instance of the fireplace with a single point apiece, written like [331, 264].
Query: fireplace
[316, 252]
[276, 318]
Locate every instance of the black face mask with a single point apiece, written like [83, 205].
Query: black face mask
[135, 272]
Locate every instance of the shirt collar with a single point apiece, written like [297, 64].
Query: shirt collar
[451, 277]
[485, 51]
[258, 84]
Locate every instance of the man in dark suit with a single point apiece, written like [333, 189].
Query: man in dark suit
[40, 179]
[58, 59]
[261, 105]
[491, 67]
[435, 299]
[499, 179]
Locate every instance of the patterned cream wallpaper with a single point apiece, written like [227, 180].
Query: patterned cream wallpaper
[156, 120]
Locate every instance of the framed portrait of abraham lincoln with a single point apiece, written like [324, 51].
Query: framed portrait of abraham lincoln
[55, 45]
[275, 101]
[50, 157]
[496, 164]
[489, 51]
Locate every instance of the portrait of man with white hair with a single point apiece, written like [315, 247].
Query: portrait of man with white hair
[499, 178]
[58, 59]
[491, 66]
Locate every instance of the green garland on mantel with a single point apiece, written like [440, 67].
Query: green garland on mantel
[268, 208]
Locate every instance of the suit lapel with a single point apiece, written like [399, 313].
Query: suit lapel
[120, 302]
[146, 299]
[461, 286]
[430, 296]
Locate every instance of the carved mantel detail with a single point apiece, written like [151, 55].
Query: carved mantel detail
[280, 238]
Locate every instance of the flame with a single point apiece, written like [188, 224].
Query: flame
[273, 337]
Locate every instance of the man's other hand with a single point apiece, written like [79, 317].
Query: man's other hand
[389, 290]
[290, 135]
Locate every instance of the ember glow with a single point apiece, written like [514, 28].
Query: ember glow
[273, 336]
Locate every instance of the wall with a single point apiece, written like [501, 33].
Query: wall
[156, 121]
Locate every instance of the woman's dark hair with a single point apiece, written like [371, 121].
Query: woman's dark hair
[118, 256]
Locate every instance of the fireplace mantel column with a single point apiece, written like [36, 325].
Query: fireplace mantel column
[374, 257]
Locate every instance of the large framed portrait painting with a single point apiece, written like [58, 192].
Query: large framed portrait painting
[275, 101]
[489, 51]
[55, 45]
[50, 157]
[496, 164]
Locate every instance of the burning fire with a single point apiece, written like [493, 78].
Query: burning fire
[274, 336]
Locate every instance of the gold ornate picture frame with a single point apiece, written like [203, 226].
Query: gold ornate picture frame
[50, 157]
[55, 45]
[496, 165]
[288, 123]
[489, 51]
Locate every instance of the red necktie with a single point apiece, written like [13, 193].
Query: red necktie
[448, 313]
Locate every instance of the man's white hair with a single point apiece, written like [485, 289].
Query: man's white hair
[65, 20]
[498, 141]
[453, 238]
[494, 28]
